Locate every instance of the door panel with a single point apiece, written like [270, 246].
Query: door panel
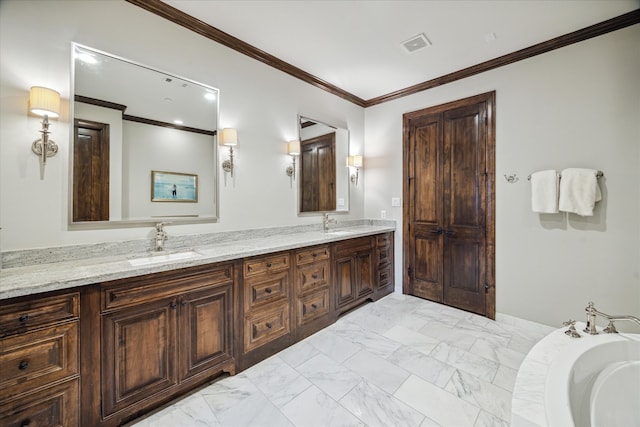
[90, 171]
[448, 216]
[139, 354]
[205, 330]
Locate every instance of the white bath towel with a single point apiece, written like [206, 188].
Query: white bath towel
[579, 191]
[544, 191]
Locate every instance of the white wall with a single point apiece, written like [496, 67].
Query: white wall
[577, 106]
[261, 102]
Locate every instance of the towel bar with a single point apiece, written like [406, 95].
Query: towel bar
[599, 175]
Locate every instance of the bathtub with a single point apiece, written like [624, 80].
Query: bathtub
[589, 381]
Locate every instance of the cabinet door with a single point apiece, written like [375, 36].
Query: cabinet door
[206, 329]
[345, 281]
[138, 353]
[364, 273]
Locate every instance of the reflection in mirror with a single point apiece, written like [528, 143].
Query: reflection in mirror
[131, 122]
[324, 178]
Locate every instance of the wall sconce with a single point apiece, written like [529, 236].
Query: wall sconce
[293, 149]
[46, 103]
[229, 138]
[355, 162]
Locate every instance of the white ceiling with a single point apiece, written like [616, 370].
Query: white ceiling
[356, 45]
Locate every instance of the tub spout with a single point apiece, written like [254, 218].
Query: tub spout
[591, 319]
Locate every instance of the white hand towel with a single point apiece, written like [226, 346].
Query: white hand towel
[544, 191]
[579, 191]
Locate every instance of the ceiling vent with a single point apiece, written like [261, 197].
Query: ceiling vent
[416, 43]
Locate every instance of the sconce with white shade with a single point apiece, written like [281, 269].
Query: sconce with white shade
[44, 102]
[293, 149]
[228, 138]
[355, 162]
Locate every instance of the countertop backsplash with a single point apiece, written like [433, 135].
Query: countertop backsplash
[27, 257]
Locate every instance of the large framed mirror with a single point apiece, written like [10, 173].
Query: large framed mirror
[324, 176]
[143, 146]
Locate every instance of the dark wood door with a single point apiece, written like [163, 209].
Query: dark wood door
[448, 216]
[318, 174]
[90, 171]
[364, 273]
[138, 353]
[206, 329]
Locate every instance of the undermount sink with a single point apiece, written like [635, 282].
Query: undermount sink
[157, 259]
[340, 232]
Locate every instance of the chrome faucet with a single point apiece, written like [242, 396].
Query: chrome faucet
[326, 221]
[611, 328]
[161, 236]
[591, 319]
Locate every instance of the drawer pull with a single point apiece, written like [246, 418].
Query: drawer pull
[314, 275]
[24, 318]
[314, 306]
[268, 325]
[268, 290]
[23, 365]
[25, 423]
[269, 265]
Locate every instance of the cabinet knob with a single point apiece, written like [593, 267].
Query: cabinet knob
[269, 265]
[314, 306]
[23, 365]
[314, 275]
[25, 423]
[314, 254]
[268, 325]
[449, 232]
[437, 231]
[23, 318]
[173, 305]
[183, 303]
[268, 290]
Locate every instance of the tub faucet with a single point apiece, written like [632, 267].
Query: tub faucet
[326, 221]
[591, 319]
[161, 236]
[611, 328]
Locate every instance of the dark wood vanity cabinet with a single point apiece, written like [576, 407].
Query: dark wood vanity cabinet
[354, 272]
[39, 361]
[143, 341]
[162, 334]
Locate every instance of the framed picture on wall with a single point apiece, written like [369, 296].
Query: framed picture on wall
[174, 187]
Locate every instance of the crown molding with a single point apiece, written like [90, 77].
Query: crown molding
[176, 16]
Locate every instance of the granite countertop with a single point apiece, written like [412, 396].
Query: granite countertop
[45, 277]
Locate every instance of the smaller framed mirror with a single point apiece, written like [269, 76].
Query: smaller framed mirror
[324, 176]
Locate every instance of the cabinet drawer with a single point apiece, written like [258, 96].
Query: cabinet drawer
[312, 306]
[35, 359]
[138, 290]
[384, 277]
[270, 264]
[57, 406]
[265, 326]
[384, 255]
[306, 256]
[354, 245]
[262, 289]
[383, 240]
[23, 316]
[313, 276]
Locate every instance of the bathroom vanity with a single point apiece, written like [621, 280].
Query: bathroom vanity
[107, 350]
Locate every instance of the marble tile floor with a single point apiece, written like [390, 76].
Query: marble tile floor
[401, 361]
